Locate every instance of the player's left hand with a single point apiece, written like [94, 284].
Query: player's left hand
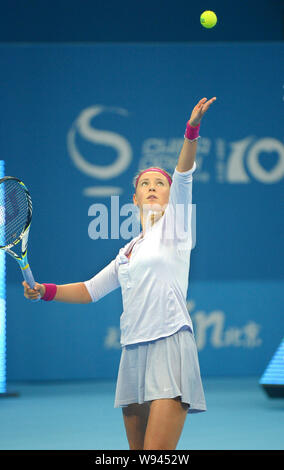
[199, 110]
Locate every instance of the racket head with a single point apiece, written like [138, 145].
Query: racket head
[15, 211]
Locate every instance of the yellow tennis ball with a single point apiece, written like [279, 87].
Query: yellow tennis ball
[208, 19]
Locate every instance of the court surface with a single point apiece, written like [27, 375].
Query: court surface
[81, 416]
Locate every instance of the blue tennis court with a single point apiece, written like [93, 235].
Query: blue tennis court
[80, 416]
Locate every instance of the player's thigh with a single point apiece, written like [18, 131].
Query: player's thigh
[165, 423]
[135, 418]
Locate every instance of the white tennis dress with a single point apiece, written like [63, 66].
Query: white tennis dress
[154, 283]
[154, 280]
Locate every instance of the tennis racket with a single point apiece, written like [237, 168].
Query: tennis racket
[15, 222]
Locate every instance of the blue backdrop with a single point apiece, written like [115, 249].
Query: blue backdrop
[147, 21]
[77, 123]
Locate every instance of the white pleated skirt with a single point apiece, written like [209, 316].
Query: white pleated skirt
[164, 368]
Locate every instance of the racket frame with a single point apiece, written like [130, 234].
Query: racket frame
[23, 237]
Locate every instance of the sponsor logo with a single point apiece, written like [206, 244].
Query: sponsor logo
[211, 329]
[245, 164]
[84, 128]
[239, 162]
[244, 161]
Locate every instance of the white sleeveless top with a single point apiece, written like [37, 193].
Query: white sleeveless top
[154, 280]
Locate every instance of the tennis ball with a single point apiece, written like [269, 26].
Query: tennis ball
[208, 19]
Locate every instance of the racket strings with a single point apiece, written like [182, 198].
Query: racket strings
[15, 210]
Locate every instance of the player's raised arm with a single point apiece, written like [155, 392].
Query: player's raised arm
[188, 151]
[75, 293]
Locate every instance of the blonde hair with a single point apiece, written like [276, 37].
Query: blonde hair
[140, 171]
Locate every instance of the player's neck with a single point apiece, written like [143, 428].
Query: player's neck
[150, 219]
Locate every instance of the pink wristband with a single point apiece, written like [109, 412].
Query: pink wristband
[192, 133]
[50, 291]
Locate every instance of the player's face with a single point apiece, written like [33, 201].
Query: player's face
[152, 192]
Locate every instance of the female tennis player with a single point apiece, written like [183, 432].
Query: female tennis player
[159, 380]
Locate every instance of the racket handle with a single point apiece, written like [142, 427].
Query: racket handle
[28, 276]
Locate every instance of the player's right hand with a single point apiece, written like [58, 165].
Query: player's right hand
[33, 294]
